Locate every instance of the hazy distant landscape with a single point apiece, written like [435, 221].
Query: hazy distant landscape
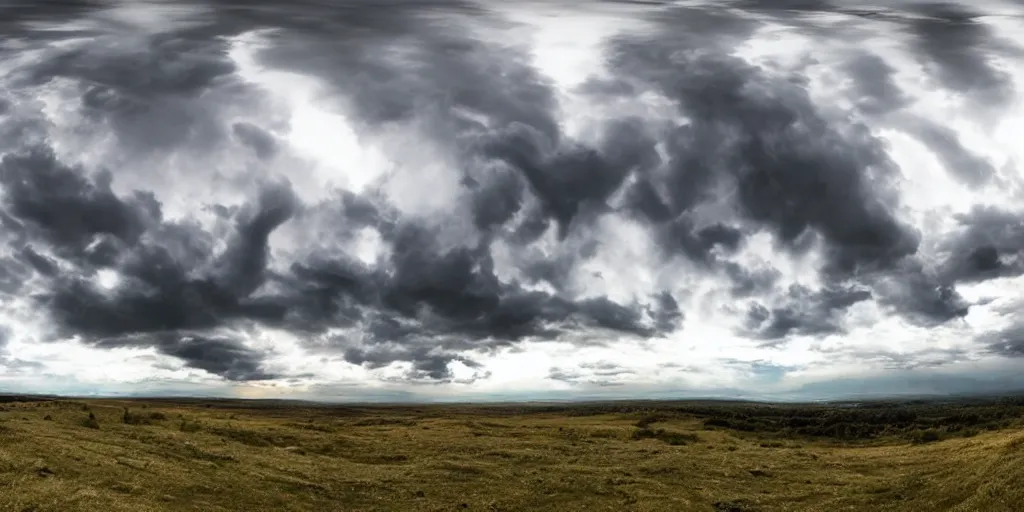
[191, 454]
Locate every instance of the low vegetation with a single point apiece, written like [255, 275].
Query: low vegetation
[120, 455]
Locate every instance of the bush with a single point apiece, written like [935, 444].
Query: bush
[91, 422]
[678, 439]
[926, 436]
[671, 438]
[645, 433]
[733, 506]
[649, 419]
[157, 416]
[717, 422]
[605, 433]
[134, 419]
[189, 426]
[255, 438]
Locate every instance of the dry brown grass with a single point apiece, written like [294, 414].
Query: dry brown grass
[173, 456]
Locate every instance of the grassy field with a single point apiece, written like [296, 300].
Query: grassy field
[139, 455]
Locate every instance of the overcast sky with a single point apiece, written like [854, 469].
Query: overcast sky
[459, 200]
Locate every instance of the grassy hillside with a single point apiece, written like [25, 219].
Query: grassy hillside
[79, 455]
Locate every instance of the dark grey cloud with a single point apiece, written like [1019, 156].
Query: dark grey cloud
[91, 228]
[575, 180]
[16, 365]
[13, 274]
[877, 92]
[803, 312]
[427, 363]
[602, 373]
[451, 296]
[806, 178]
[666, 313]
[159, 92]
[1008, 342]
[989, 244]
[765, 137]
[242, 267]
[878, 96]
[68, 207]
[175, 283]
[785, 5]
[921, 296]
[960, 49]
[41, 263]
[961, 163]
[949, 38]
[16, 17]
[754, 155]
[753, 280]
[225, 357]
[162, 290]
[441, 65]
[555, 373]
[605, 369]
[259, 140]
[898, 359]
[452, 299]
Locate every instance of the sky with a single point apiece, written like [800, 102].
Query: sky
[456, 200]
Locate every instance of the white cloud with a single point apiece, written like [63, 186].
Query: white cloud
[324, 148]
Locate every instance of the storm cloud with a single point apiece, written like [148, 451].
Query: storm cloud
[411, 192]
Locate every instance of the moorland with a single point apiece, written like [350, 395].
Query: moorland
[67, 455]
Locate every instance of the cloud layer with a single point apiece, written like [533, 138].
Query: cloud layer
[461, 199]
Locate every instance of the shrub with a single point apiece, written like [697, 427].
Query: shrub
[733, 506]
[645, 433]
[380, 422]
[926, 436]
[134, 419]
[605, 433]
[91, 422]
[189, 426]
[717, 422]
[678, 439]
[671, 438]
[649, 419]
